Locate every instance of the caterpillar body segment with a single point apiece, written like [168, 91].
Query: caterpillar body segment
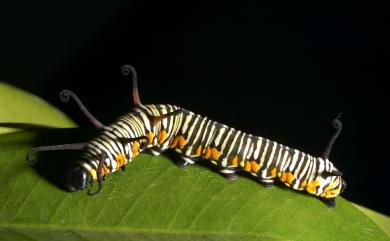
[158, 127]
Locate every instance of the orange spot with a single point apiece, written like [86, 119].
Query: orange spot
[121, 160]
[254, 166]
[198, 150]
[234, 161]
[312, 186]
[215, 154]
[283, 177]
[303, 184]
[289, 177]
[207, 153]
[247, 166]
[178, 140]
[273, 172]
[162, 136]
[135, 148]
[150, 137]
[105, 170]
[181, 141]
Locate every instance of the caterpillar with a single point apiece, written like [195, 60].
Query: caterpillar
[158, 127]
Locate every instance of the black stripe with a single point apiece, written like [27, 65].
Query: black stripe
[213, 143]
[230, 142]
[274, 159]
[261, 149]
[192, 117]
[208, 134]
[267, 155]
[201, 138]
[190, 139]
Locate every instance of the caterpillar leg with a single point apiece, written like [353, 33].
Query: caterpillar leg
[330, 202]
[155, 151]
[99, 176]
[266, 182]
[65, 96]
[186, 161]
[229, 173]
[31, 158]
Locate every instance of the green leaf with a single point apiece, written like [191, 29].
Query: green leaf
[18, 106]
[382, 220]
[153, 199]
[156, 200]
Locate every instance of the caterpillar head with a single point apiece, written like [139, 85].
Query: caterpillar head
[332, 183]
[77, 178]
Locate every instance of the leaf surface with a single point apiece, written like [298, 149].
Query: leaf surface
[18, 106]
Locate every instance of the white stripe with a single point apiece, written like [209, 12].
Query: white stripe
[246, 148]
[241, 142]
[263, 153]
[186, 122]
[287, 162]
[281, 148]
[223, 146]
[218, 138]
[299, 165]
[294, 160]
[251, 149]
[211, 135]
[270, 159]
[258, 145]
[205, 130]
[191, 146]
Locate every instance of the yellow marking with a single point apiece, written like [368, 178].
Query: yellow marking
[242, 164]
[328, 193]
[247, 166]
[254, 166]
[93, 174]
[162, 136]
[215, 154]
[273, 172]
[207, 153]
[283, 177]
[150, 137]
[289, 177]
[135, 148]
[121, 159]
[303, 185]
[332, 193]
[198, 150]
[235, 161]
[312, 186]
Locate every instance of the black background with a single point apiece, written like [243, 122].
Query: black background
[274, 69]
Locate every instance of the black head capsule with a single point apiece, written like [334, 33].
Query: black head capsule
[77, 178]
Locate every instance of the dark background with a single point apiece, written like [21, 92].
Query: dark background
[278, 70]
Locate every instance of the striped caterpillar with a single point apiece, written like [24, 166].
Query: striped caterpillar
[161, 126]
